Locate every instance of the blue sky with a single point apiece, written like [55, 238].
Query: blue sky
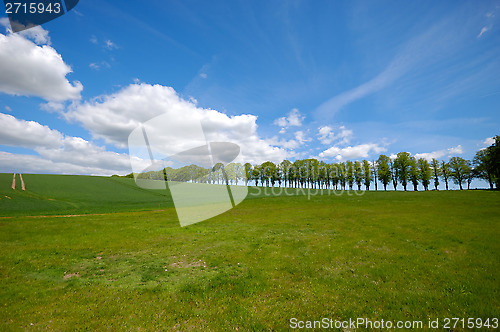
[334, 80]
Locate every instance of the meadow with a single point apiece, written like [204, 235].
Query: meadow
[123, 262]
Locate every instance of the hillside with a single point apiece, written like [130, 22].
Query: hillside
[75, 194]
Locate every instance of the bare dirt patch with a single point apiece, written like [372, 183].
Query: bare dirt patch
[181, 264]
[71, 275]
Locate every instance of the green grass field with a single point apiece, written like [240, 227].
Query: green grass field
[128, 264]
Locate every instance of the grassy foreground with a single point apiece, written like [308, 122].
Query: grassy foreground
[382, 255]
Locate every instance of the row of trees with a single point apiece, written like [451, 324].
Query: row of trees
[404, 170]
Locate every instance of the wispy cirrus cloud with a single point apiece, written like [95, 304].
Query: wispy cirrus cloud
[483, 31]
[433, 45]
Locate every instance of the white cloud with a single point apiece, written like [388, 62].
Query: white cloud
[299, 140]
[28, 134]
[52, 106]
[37, 34]
[203, 75]
[300, 136]
[28, 69]
[113, 117]
[94, 40]
[352, 152]
[110, 45]
[489, 141]
[290, 144]
[483, 31]
[77, 151]
[57, 153]
[454, 151]
[294, 118]
[8, 109]
[440, 153]
[20, 163]
[326, 135]
[98, 66]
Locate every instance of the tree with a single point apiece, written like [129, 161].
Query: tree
[424, 172]
[312, 171]
[494, 155]
[335, 175]
[375, 174]
[487, 163]
[384, 170]
[435, 171]
[358, 174]
[322, 174]
[285, 171]
[267, 173]
[470, 174]
[248, 173]
[459, 169]
[402, 163]
[367, 176]
[350, 173]
[445, 172]
[342, 173]
[295, 173]
[256, 175]
[220, 173]
[413, 173]
[394, 173]
[483, 167]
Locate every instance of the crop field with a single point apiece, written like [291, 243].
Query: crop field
[96, 253]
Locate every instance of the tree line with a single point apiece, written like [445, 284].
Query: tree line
[404, 170]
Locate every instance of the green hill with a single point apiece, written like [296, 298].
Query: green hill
[74, 194]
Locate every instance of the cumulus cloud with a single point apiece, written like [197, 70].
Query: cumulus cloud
[294, 118]
[21, 163]
[57, 153]
[37, 34]
[28, 69]
[327, 135]
[28, 134]
[352, 152]
[113, 117]
[300, 139]
[441, 153]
